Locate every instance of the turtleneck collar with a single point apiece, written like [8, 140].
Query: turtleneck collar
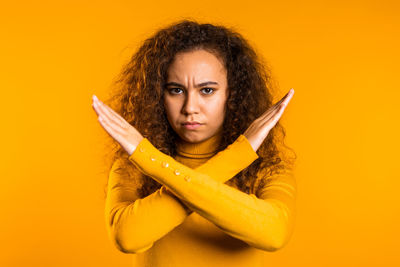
[203, 149]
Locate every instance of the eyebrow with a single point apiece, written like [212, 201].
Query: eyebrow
[197, 85]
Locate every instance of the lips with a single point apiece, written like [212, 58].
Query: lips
[191, 123]
[191, 126]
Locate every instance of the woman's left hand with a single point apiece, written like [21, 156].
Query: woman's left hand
[260, 128]
[118, 128]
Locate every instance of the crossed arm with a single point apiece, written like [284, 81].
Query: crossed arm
[136, 223]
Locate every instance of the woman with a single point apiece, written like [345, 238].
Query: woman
[199, 175]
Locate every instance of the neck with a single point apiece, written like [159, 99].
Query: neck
[203, 149]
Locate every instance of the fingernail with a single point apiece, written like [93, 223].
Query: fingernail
[95, 97]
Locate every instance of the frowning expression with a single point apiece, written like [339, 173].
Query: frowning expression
[196, 91]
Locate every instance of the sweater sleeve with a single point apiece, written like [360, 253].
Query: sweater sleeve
[134, 224]
[265, 222]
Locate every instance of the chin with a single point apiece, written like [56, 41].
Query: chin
[192, 137]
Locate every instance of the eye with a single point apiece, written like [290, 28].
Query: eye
[173, 90]
[209, 89]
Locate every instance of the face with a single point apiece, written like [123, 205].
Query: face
[196, 91]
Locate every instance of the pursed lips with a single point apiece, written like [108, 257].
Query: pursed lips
[190, 123]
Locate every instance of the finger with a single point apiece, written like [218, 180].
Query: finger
[273, 120]
[284, 101]
[287, 99]
[114, 125]
[277, 105]
[99, 111]
[272, 113]
[112, 114]
[119, 117]
[281, 100]
[279, 109]
[288, 95]
[112, 129]
[272, 110]
[107, 114]
[106, 126]
[94, 106]
[278, 115]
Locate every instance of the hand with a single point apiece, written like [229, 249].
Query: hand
[259, 129]
[118, 128]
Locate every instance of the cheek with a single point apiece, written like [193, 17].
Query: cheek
[217, 112]
[170, 108]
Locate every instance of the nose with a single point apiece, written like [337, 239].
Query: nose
[191, 105]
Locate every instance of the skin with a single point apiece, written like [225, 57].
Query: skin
[185, 100]
[190, 69]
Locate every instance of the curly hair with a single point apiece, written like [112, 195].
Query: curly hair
[137, 95]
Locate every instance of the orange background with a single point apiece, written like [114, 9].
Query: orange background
[341, 57]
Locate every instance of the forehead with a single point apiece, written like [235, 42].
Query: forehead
[198, 64]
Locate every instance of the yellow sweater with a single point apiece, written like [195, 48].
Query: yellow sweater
[227, 227]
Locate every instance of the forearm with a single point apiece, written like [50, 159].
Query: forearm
[135, 225]
[260, 223]
[225, 164]
[130, 217]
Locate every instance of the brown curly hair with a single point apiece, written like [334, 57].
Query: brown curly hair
[137, 95]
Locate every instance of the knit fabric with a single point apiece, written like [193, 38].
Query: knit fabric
[196, 218]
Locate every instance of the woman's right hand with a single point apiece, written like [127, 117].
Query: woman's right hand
[260, 128]
[117, 127]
